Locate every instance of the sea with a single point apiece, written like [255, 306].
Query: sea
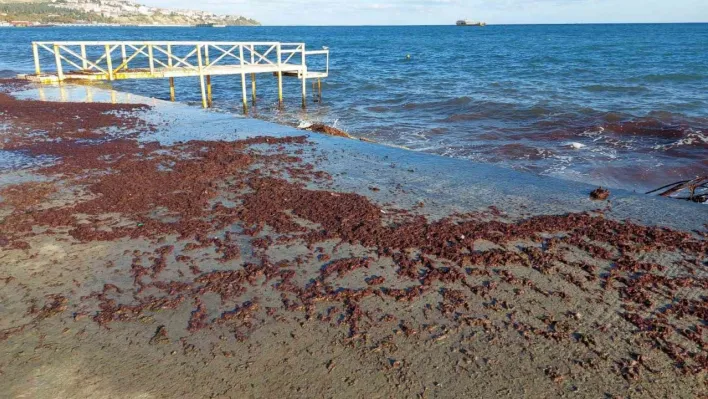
[622, 106]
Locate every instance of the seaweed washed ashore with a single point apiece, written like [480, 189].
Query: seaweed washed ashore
[236, 268]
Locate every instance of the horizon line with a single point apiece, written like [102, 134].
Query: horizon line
[488, 24]
[108, 25]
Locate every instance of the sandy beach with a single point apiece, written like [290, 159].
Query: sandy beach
[156, 250]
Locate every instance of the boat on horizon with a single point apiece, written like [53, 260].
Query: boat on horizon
[467, 22]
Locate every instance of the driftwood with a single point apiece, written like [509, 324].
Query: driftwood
[697, 189]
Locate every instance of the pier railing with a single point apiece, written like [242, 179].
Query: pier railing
[112, 57]
[114, 60]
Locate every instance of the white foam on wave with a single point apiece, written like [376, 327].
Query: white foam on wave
[595, 135]
[599, 137]
[694, 137]
[563, 168]
[575, 145]
[605, 152]
[560, 167]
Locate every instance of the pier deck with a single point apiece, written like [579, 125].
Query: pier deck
[119, 60]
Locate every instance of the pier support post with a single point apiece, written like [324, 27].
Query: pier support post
[253, 88]
[84, 60]
[109, 62]
[57, 58]
[201, 76]
[210, 100]
[172, 89]
[244, 95]
[124, 56]
[280, 75]
[304, 79]
[35, 52]
[319, 89]
[151, 59]
[172, 80]
[253, 75]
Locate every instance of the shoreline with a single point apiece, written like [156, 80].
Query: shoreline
[542, 191]
[277, 261]
[636, 133]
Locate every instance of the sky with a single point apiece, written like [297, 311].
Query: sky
[441, 12]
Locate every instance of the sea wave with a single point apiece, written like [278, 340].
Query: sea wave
[453, 102]
[501, 112]
[616, 89]
[451, 105]
[647, 128]
[520, 151]
[670, 77]
[693, 138]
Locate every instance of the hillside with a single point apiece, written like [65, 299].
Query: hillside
[109, 11]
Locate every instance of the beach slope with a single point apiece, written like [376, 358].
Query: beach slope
[151, 249]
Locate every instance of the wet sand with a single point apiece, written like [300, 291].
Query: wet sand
[284, 264]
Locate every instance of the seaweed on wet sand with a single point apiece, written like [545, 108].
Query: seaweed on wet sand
[55, 304]
[343, 266]
[198, 318]
[375, 280]
[207, 191]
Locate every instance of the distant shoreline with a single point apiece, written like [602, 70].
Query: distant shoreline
[100, 25]
[116, 26]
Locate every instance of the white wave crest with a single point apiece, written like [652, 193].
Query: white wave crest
[694, 137]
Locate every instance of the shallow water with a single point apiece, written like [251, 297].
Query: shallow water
[619, 105]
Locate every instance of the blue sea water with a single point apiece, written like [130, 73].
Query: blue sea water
[619, 105]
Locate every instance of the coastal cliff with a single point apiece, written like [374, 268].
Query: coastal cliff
[123, 12]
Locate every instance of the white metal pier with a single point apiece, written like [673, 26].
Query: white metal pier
[118, 60]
